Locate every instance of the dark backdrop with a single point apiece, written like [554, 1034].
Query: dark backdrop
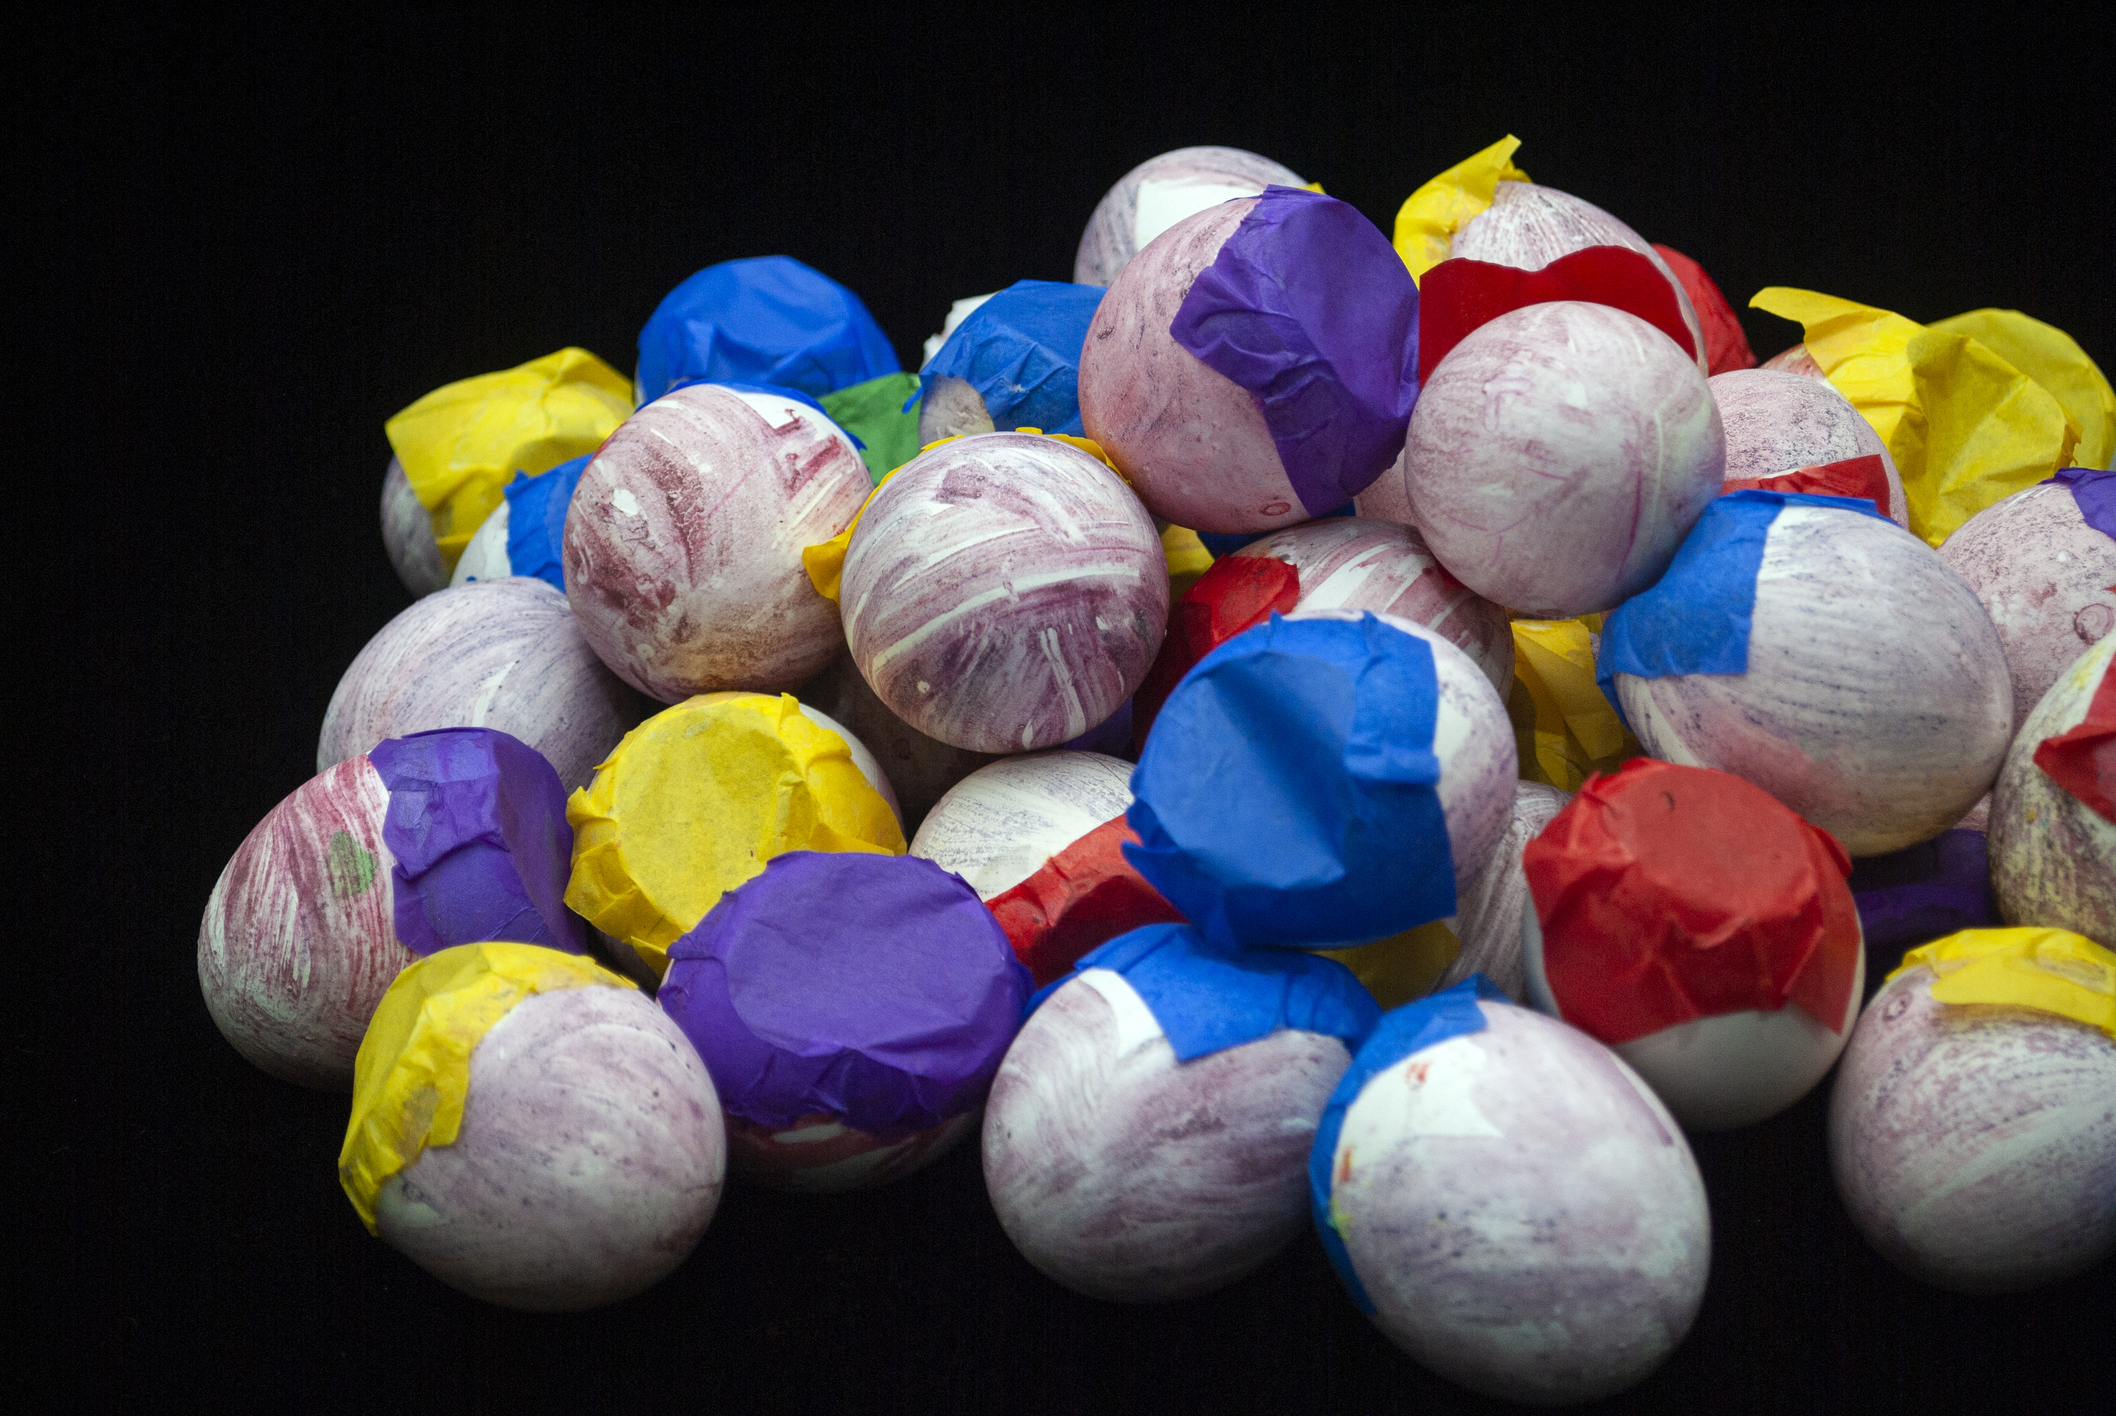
[248, 246]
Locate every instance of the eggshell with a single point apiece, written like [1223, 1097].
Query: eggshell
[1523, 1212]
[821, 1155]
[1975, 1145]
[1350, 563]
[407, 534]
[505, 654]
[2044, 576]
[920, 769]
[588, 1165]
[952, 408]
[1877, 702]
[1004, 592]
[485, 558]
[1489, 911]
[1777, 422]
[2053, 857]
[683, 542]
[1389, 498]
[1796, 360]
[1162, 191]
[1127, 1175]
[1559, 455]
[996, 827]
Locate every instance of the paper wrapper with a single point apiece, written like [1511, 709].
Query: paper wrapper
[2051, 970]
[536, 521]
[1457, 296]
[1021, 351]
[1564, 726]
[1428, 220]
[1726, 343]
[2054, 360]
[2082, 759]
[770, 320]
[1865, 477]
[881, 415]
[1081, 898]
[1233, 594]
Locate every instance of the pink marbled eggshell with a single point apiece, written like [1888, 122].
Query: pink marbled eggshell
[1193, 442]
[407, 534]
[1488, 913]
[1004, 593]
[1389, 498]
[1777, 421]
[1127, 1175]
[299, 940]
[2053, 857]
[1796, 360]
[997, 826]
[2044, 576]
[920, 768]
[1351, 563]
[1560, 454]
[683, 542]
[1523, 1211]
[1876, 704]
[1975, 1145]
[589, 1162]
[821, 1155]
[505, 654]
[1196, 177]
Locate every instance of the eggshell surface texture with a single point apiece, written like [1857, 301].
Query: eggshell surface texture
[683, 544]
[998, 825]
[1489, 911]
[485, 558]
[1162, 191]
[1975, 1146]
[1777, 421]
[407, 534]
[505, 654]
[920, 769]
[1558, 456]
[2053, 855]
[1521, 1211]
[1004, 593]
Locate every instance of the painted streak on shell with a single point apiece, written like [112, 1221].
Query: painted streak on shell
[1777, 421]
[1004, 593]
[1488, 914]
[1192, 174]
[1126, 1175]
[1389, 498]
[407, 534]
[920, 768]
[1528, 226]
[1559, 455]
[821, 1155]
[996, 827]
[299, 939]
[2053, 857]
[1351, 563]
[1876, 704]
[589, 1162]
[683, 544]
[2044, 577]
[505, 654]
[1193, 442]
[1975, 1145]
[1522, 1210]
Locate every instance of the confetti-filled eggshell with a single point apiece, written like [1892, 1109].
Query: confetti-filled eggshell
[997, 826]
[1776, 422]
[683, 544]
[2053, 857]
[1489, 911]
[1389, 499]
[919, 769]
[1162, 191]
[821, 1155]
[407, 534]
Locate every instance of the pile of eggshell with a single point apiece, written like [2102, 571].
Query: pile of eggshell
[856, 862]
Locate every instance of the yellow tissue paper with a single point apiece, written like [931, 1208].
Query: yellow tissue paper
[413, 1069]
[2053, 970]
[462, 443]
[697, 798]
[1187, 559]
[1564, 727]
[2053, 359]
[1432, 215]
[1403, 966]
[1965, 427]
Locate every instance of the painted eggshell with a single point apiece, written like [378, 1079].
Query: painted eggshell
[589, 1161]
[1389, 499]
[821, 1155]
[1350, 563]
[1559, 455]
[407, 534]
[1877, 703]
[1004, 593]
[2053, 857]
[1777, 421]
[485, 558]
[1127, 1175]
[918, 768]
[683, 544]
[1796, 360]
[1162, 191]
[1523, 1211]
[996, 827]
[1975, 1146]
[505, 654]
[1488, 913]
[2044, 576]
[952, 408]
[299, 940]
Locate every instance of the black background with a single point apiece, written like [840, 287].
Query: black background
[249, 245]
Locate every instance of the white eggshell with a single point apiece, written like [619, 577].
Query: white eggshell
[2053, 857]
[821, 1155]
[952, 408]
[1975, 1146]
[1488, 913]
[407, 534]
[996, 827]
[1778, 422]
[1523, 1211]
[485, 558]
[920, 769]
[1127, 1175]
[1877, 702]
[1162, 191]
[958, 312]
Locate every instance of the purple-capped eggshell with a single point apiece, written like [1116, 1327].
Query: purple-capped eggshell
[1777, 422]
[920, 769]
[996, 827]
[821, 1155]
[407, 534]
[2053, 857]
[1162, 191]
[1488, 913]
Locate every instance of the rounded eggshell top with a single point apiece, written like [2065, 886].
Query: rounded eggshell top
[996, 827]
[1975, 1146]
[683, 542]
[1193, 442]
[1876, 703]
[1523, 1211]
[1351, 563]
[407, 534]
[919, 768]
[589, 1161]
[485, 558]
[1004, 593]
[299, 940]
[2053, 857]
[1777, 421]
[503, 654]
[1162, 191]
[2044, 576]
[1489, 913]
[1560, 454]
